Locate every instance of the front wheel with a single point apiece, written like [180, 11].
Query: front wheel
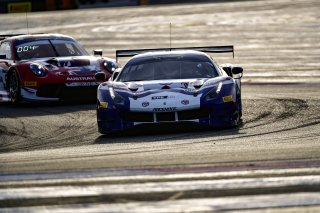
[14, 87]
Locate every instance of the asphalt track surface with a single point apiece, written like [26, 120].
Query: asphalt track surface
[277, 42]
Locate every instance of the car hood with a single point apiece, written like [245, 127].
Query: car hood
[160, 96]
[188, 85]
[80, 65]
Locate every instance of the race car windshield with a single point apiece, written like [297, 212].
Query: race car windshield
[168, 69]
[48, 48]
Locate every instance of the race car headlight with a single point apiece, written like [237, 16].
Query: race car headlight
[213, 93]
[117, 99]
[38, 70]
[110, 65]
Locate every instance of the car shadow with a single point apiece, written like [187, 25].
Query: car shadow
[36, 109]
[166, 132]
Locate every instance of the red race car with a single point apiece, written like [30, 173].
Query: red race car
[49, 67]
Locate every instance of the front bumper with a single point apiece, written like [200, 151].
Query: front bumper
[59, 92]
[114, 120]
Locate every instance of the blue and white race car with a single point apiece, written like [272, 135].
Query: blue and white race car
[170, 86]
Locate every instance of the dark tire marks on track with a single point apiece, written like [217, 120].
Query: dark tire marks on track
[26, 128]
[47, 127]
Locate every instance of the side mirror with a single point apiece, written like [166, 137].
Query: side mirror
[237, 71]
[100, 76]
[3, 56]
[97, 52]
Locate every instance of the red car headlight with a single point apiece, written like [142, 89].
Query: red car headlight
[38, 70]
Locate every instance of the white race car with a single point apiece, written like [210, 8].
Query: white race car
[170, 85]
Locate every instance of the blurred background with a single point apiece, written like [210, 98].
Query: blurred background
[278, 40]
[13, 6]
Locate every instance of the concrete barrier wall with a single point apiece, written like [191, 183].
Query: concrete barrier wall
[15, 6]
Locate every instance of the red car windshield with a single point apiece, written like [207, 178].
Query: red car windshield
[48, 48]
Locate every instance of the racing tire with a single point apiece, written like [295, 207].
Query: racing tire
[240, 107]
[239, 104]
[236, 121]
[14, 87]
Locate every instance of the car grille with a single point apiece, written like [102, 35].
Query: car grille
[165, 116]
[137, 116]
[67, 93]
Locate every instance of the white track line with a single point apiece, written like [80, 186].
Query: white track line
[129, 176]
[159, 187]
[188, 205]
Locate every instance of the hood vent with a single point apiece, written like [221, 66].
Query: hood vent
[68, 62]
[133, 87]
[165, 87]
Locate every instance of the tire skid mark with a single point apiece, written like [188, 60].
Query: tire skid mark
[184, 144]
[291, 107]
[78, 127]
[306, 136]
[46, 127]
[272, 118]
[4, 131]
[65, 132]
[296, 105]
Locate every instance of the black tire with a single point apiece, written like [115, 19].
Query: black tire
[240, 106]
[239, 100]
[14, 87]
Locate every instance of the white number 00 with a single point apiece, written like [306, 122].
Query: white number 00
[25, 48]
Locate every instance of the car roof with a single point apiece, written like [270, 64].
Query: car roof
[170, 53]
[36, 36]
[153, 56]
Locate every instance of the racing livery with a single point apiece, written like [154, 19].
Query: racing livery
[48, 67]
[170, 85]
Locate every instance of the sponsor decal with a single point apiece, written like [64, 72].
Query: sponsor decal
[79, 84]
[184, 85]
[227, 98]
[88, 78]
[159, 97]
[30, 83]
[162, 97]
[104, 104]
[191, 90]
[185, 102]
[165, 109]
[145, 104]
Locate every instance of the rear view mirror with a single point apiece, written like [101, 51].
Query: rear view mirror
[97, 52]
[237, 72]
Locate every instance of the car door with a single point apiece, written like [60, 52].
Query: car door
[5, 61]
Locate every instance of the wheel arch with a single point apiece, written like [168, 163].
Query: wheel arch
[10, 71]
